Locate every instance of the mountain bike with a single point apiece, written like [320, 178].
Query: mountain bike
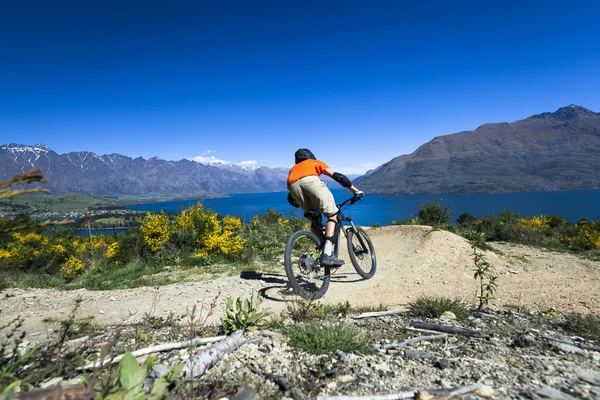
[303, 253]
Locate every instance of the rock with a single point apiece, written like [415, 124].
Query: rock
[524, 341]
[246, 393]
[447, 318]
[590, 376]
[51, 382]
[475, 322]
[567, 348]
[484, 391]
[416, 354]
[443, 364]
[547, 393]
[74, 344]
[346, 378]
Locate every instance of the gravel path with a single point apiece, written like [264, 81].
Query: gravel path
[412, 261]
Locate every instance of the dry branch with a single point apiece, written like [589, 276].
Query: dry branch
[439, 394]
[378, 314]
[448, 329]
[157, 349]
[414, 340]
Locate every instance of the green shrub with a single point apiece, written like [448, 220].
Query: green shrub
[266, 235]
[466, 220]
[433, 214]
[242, 314]
[477, 239]
[434, 307]
[584, 325]
[321, 339]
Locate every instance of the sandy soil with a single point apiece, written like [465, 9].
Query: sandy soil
[411, 261]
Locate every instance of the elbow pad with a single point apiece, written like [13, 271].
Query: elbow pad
[342, 179]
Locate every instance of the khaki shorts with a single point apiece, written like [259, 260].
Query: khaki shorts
[312, 193]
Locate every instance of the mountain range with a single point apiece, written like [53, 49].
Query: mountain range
[546, 152]
[115, 174]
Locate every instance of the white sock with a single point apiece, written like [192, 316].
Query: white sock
[328, 249]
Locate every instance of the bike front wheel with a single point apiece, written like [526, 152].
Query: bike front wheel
[303, 266]
[362, 252]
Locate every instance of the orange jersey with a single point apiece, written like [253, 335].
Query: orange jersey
[306, 168]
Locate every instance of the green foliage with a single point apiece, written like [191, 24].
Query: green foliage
[130, 377]
[477, 239]
[321, 339]
[434, 307]
[485, 273]
[266, 235]
[242, 314]
[304, 311]
[433, 214]
[584, 325]
[465, 220]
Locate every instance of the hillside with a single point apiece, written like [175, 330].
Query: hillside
[115, 174]
[545, 152]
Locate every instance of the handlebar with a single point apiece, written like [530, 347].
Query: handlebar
[351, 200]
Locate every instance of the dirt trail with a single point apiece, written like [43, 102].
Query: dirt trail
[412, 261]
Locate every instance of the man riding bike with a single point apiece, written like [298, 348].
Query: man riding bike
[309, 192]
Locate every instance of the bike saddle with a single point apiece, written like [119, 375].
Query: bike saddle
[312, 214]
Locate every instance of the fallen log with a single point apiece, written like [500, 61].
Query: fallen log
[378, 314]
[449, 329]
[414, 340]
[200, 362]
[206, 358]
[156, 349]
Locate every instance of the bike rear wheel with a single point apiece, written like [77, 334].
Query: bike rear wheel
[303, 267]
[362, 252]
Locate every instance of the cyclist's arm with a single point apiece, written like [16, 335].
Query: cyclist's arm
[329, 172]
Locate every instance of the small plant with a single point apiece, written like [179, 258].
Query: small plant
[584, 325]
[242, 314]
[127, 382]
[304, 310]
[14, 363]
[317, 339]
[433, 214]
[484, 272]
[434, 307]
[476, 239]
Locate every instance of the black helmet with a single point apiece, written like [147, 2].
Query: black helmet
[304, 154]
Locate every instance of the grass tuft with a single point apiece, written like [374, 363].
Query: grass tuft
[584, 325]
[434, 307]
[322, 339]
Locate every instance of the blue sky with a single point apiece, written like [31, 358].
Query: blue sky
[358, 82]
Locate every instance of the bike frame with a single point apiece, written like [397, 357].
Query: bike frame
[317, 219]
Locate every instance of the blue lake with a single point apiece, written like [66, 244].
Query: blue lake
[572, 205]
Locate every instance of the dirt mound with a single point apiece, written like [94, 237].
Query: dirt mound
[411, 261]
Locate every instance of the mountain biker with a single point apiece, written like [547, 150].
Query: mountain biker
[309, 192]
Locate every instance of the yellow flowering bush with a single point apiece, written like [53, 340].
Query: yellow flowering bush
[202, 229]
[156, 230]
[71, 268]
[590, 234]
[536, 223]
[113, 250]
[220, 238]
